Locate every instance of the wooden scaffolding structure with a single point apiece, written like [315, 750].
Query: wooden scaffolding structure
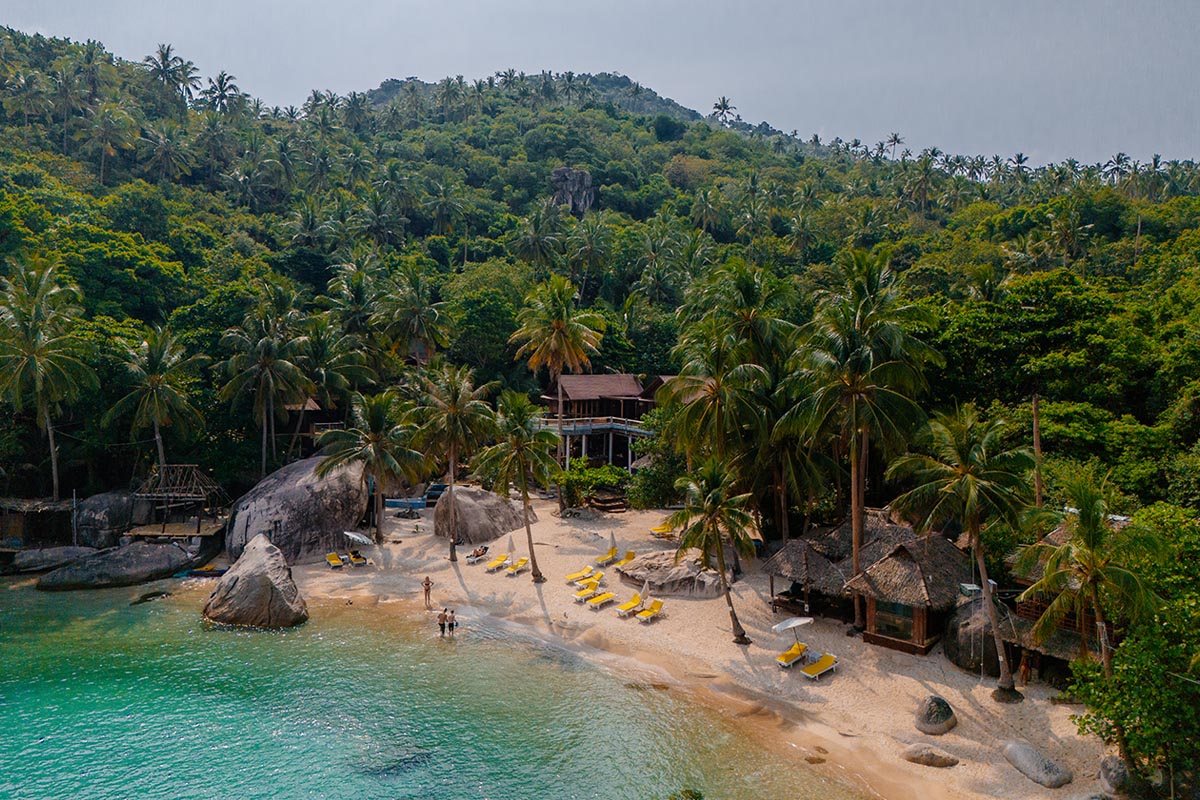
[175, 487]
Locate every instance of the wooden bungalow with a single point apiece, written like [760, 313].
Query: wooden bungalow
[34, 523]
[910, 592]
[603, 395]
[811, 581]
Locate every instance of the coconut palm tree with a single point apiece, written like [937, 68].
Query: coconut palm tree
[408, 315]
[522, 455]
[858, 368]
[723, 108]
[161, 373]
[972, 478]
[39, 354]
[110, 129]
[555, 334]
[1091, 570]
[455, 418]
[712, 516]
[379, 440]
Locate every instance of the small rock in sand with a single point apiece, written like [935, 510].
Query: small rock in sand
[1035, 766]
[928, 756]
[935, 716]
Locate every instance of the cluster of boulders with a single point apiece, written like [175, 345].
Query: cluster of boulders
[669, 576]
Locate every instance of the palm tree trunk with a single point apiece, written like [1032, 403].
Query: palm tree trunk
[1005, 687]
[53, 452]
[296, 430]
[562, 500]
[263, 469]
[1106, 658]
[538, 577]
[378, 510]
[274, 452]
[739, 633]
[162, 453]
[453, 503]
[857, 501]
[783, 507]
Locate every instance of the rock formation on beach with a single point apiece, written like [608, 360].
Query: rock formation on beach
[685, 577]
[481, 515]
[257, 591]
[104, 517]
[124, 566]
[49, 558]
[303, 515]
[1035, 766]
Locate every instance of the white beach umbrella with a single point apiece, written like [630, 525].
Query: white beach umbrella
[612, 541]
[355, 536]
[645, 590]
[511, 547]
[791, 623]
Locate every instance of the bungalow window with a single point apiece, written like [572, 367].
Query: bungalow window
[894, 620]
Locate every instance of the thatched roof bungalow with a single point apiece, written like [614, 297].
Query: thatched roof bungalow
[910, 591]
[807, 570]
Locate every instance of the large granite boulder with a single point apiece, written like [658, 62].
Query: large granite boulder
[104, 517]
[928, 756]
[573, 188]
[1035, 766]
[935, 716]
[480, 516]
[257, 591]
[303, 515]
[969, 640]
[668, 577]
[48, 558]
[123, 566]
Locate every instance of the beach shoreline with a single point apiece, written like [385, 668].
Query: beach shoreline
[851, 724]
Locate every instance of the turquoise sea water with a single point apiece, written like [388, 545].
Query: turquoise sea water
[101, 699]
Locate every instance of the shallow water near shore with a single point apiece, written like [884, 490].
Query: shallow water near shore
[102, 699]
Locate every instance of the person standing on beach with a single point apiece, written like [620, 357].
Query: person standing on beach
[450, 623]
[427, 585]
[442, 622]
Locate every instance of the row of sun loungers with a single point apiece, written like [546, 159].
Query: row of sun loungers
[336, 561]
[609, 559]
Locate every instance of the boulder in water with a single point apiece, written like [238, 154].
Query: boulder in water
[257, 591]
[928, 756]
[1035, 766]
[481, 516]
[304, 515]
[668, 577]
[48, 558]
[123, 566]
[935, 716]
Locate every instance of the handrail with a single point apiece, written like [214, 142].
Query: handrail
[552, 421]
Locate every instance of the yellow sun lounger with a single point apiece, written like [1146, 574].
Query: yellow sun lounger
[629, 554]
[517, 567]
[581, 575]
[595, 577]
[599, 601]
[650, 613]
[607, 558]
[334, 560]
[664, 528]
[791, 655]
[496, 563]
[588, 589]
[631, 605]
[356, 559]
[819, 667]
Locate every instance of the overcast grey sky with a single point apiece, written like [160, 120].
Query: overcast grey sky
[1050, 79]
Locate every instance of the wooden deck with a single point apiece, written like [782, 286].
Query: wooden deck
[179, 530]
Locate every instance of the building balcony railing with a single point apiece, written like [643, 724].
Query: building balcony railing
[578, 426]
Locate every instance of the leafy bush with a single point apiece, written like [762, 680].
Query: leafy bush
[580, 481]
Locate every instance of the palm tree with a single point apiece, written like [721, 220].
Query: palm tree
[166, 152]
[723, 108]
[859, 365]
[589, 246]
[446, 206]
[161, 372]
[334, 364]
[894, 141]
[409, 316]
[39, 354]
[520, 456]
[713, 515]
[970, 478]
[264, 365]
[1091, 570]
[110, 129]
[539, 237]
[379, 441]
[555, 334]
[456, 419]
[222, 94]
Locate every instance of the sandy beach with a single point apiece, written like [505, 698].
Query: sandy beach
[854, 722]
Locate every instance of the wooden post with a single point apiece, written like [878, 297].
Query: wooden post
[1037, 454]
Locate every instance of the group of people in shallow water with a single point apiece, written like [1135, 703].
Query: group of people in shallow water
[446, 621]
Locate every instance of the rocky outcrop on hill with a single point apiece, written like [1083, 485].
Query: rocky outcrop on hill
[573, 187]
[481, 516]
[668, 577]
[124, 566]
[1035, 766]
[935, 716]
[303, 515]
[48, 558]
[257, 591]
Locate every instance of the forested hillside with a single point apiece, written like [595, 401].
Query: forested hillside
[181, 263]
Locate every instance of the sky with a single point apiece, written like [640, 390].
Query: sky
[1050, 78]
